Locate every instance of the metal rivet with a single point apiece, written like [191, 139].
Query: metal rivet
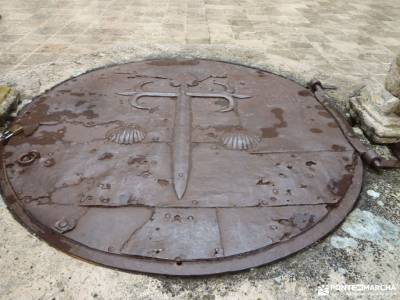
[62, 224]
[28, 158]
[49, 162]
[27, 199]
[105, 200]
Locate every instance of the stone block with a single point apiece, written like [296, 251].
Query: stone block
[377, 107]
[392, 83]
[9, 99]
[378, 113]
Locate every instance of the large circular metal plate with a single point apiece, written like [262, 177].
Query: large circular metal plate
[179, 167]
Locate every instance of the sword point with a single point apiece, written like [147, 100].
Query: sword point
[179, 193]
[180, 185]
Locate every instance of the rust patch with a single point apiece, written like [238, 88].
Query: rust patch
[106, 155]
[333, 125]
[137, 160]
[325, 114]
[163, 182]
[263, 181]
[44, 138]
[77, 94]
[340, 187]
[272, 132]
[79, 103]
[338, 148]
[305, 93]
[316, 130]
[220, 102]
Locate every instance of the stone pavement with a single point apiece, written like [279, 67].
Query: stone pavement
[343, 43]
[340, 38]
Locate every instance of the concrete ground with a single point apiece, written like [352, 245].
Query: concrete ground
[343, 43]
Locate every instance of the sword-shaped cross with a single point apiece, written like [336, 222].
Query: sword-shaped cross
[181, 152]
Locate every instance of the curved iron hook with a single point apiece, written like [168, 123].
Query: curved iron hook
[137, 95]
[228, 89]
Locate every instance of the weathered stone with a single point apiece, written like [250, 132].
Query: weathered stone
[339, 242]
[364, 225]
[9, 99]
[378, 113]
[392, 83]
[373, 194]
[378, 109]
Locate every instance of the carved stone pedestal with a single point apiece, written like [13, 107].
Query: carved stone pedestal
[377, 109]
[393, 79]
[9, 99]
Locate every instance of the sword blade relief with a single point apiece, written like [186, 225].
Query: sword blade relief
[181, 148]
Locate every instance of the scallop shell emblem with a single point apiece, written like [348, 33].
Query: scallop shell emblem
[126, 134]
[240, 140]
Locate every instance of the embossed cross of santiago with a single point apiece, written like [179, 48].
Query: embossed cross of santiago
[181, 152]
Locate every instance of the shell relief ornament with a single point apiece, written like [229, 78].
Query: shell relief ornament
[240, 139]
[126, 134]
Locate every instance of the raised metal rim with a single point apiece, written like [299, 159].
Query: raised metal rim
[186, 268]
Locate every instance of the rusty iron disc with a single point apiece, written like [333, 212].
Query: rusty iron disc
[179, 167]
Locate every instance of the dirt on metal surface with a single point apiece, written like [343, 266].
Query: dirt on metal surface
[179, 167]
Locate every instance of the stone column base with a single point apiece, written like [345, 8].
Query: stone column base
[9, 99]
[378, 113]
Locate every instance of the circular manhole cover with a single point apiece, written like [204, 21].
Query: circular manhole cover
[179, 167]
